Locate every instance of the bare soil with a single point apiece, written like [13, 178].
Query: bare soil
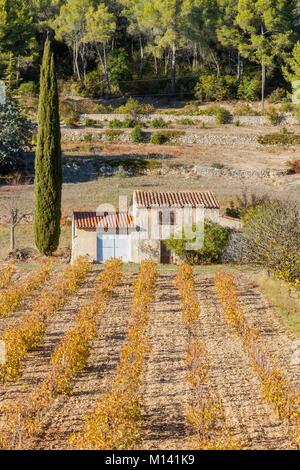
[164, 386]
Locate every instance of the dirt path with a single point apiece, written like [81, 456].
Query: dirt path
[273, 334]
[65, 416]
[165, 391]
[231, 374]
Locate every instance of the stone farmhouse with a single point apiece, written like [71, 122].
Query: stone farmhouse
[139, 233]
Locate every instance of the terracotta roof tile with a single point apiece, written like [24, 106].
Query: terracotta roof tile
[181, 199]
[92, 220]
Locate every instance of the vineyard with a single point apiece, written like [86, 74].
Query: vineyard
[100, 358]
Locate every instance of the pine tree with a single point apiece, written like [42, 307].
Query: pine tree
[48, 165]
[10, 76]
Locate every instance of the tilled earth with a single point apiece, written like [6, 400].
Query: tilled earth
[164, 389]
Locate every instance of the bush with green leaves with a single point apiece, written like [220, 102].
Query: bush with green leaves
[187, 122]
[213, 88]
[28, 88]
[296, 113]
[158, 123]
[158, 138]
[244, 109]
[249, 88]
[14, 136]
[215, 242]
[277, 96]
[134, 108]
[287, 107]
[273, 116]
[279, 138]
[210, 88]
[113, 134]
[88, 122]
[127, 123]
[94, 85]
[137, 135]
[118, 67]
[223, 116]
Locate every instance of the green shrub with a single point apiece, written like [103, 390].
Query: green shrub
[112, 134]
[287, 107]
[28, 88]
[137, 135]
[210, 88]
[128, 123]
[186, 122]
[88, 138]
[191, 109]
[134, 108]
[68, 111]
[120, 173]
[223, 116]
[103, 108]
[273, 116]
[88, 122]
[297, 113]
[249, 88]
[277, 96]
[244, 110]
[158, 138]
[215, 241]
[115, 124]
[237, 123]
[118, 67]
[279, 138]
[158, 123]
[69, 87]
[233, 211]
[94, 85]
[218, 166]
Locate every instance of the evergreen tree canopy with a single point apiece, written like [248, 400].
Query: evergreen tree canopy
[14, 135]
[48, 164]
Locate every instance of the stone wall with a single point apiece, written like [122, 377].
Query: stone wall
[255, 121]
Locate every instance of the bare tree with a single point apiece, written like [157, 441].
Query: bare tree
[270, 239]
[10, 207]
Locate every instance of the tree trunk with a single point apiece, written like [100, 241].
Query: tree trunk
[195, 57]
[263, 76]
[239, 66]
[167, 58]
[76, 64]
[155, 64]
[12, 237]
[141, 54]
[106, 74]
[263, 84]
[174, 69]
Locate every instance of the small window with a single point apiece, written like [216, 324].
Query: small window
[166, 218]
[160, 218]
[172, 218]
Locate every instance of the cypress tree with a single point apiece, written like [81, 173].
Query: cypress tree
[48, 162]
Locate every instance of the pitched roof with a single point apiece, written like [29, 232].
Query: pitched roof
[149, 199]
[92, 220]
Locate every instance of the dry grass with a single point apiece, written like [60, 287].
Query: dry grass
[284, 302]
[25, 238]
